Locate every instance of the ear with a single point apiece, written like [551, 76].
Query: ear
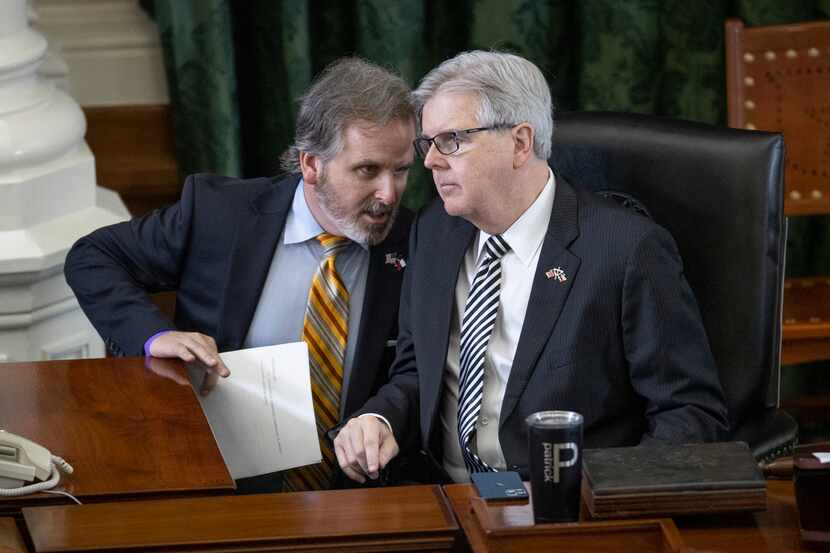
[312, 167]
[523, 136]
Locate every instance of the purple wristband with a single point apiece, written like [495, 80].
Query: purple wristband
[151, 339]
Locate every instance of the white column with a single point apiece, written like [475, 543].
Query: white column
[48, 199]
[103, 52]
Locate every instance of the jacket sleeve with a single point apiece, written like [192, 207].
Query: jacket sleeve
[670, 361]
[114, 269]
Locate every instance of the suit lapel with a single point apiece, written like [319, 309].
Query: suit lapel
[382, 288]
[439, 302]
[548, 294]
[257, 236]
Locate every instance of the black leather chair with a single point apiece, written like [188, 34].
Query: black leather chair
[719, 192]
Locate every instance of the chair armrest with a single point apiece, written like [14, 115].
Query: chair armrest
[770, 434]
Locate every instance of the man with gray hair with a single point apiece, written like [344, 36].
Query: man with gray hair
[315, 256]
[525, 293]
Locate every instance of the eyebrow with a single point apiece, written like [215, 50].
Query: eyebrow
[422, 135]
[368, 161]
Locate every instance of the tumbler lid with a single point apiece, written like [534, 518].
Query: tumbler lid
[554, 419]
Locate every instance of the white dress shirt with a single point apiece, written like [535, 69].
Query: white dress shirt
[280, 312]
[518, 267]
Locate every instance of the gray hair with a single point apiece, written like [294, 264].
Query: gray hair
[348, 90]
[511, 90]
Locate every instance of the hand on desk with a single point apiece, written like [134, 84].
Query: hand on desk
[166, 368]
[363, 447]
[190, 347]
[171, 370]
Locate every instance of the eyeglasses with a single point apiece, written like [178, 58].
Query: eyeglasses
[449, 142]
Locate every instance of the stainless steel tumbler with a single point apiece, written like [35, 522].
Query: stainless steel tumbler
[555, 458]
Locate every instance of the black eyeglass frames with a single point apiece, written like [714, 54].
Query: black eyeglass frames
[449, 142]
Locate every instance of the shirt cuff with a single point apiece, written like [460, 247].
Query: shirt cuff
[151, 339]
[381, 417]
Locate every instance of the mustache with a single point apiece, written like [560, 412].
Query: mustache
[378, 209]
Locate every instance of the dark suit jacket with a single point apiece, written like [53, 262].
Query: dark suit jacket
[214, 247]
[620, 341]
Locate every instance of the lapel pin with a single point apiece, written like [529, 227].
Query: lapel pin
[556, 273]
[395, 260]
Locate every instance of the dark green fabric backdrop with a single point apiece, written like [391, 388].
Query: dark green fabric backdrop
[235, 68]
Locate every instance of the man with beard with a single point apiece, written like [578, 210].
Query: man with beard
[315, 256]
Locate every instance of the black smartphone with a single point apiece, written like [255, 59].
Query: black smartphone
[499, 486]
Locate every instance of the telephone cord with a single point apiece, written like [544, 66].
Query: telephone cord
[55, 477]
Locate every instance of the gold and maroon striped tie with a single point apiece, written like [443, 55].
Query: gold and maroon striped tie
[325, 330]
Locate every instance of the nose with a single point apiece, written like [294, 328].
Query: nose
[434, 158]
[386, 191]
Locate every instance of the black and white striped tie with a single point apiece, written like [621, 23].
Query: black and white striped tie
[477, 326]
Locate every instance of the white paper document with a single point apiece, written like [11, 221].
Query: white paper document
[262, 415]
[822, 456]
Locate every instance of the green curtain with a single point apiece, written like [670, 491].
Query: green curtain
[236, 68]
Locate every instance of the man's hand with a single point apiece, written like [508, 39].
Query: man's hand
[166, 368]
[190, 347]
[364, 446]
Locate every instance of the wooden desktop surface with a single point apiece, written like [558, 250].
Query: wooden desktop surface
[772, 531]
[414, 518]
[134, 434]
[127, 431]
[10, 539]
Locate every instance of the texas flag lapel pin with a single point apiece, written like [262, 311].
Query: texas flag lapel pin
[395, 260]
[556, 273]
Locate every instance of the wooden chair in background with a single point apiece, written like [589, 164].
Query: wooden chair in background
[778, 79]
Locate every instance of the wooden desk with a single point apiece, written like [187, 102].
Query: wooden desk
[10, 540]
[413, 518]
[126, 431]
[772, 531]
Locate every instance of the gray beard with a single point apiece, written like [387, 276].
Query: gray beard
[348, 225]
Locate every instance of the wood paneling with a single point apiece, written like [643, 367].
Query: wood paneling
[127, 431]
[135, 154]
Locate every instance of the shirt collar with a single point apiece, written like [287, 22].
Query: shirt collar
[526, 235]
[300, 224]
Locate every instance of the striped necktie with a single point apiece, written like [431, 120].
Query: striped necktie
[476, 327]
[325, 330]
